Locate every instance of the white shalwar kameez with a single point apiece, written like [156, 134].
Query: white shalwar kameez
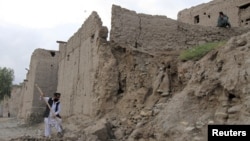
[51, 121]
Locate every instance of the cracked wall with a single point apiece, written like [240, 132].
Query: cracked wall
[79, 68]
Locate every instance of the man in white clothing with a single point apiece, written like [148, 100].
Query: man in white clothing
[52, 116]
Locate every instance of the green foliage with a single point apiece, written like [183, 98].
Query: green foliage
[199, 51]
[6, 79]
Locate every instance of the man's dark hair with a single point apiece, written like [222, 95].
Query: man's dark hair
[221, 13]
[57, 94]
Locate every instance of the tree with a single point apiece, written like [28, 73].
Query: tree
[6, 79]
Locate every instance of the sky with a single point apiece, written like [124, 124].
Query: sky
[26, 25]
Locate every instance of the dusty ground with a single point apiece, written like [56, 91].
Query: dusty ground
[11, 128]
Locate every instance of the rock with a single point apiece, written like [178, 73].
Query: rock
[136, 134]
[146, 113]
[102, 129]
[119, 134]
[199, 124]
[197, 138]
[155, 111]
[234, 109]
[190, 128]
[210, 122]
[165, 94]
[241, 42]
[185, 123]
[220, 117]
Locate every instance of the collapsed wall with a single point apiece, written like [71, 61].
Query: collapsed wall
[216, 91]
[43, 71]
[207, 14]
[146, 50]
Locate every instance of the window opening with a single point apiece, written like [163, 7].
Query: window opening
[196, 19]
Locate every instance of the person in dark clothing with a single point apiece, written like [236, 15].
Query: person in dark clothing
[223, 20]
[52, 115]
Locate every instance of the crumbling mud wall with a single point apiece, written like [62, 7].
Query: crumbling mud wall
[159, 33]
[80, 59]
[146, 50]
[90, 76]
[9, 105]
[43, 71]
[134, 87]
[207, 14]
[15, 101]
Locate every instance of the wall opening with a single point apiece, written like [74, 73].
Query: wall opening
[68, 57]
[244, 14]
[244, 6]
[196, 19]
[52, 53]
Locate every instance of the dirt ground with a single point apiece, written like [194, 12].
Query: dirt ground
[11, 128]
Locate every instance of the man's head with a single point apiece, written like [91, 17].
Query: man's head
[57, 96]
[221, 13]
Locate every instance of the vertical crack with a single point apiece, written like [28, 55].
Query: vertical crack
[139, 35]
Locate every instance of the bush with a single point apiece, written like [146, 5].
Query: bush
[197, 52]
[6, 79]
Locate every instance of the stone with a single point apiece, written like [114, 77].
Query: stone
[234, 109]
